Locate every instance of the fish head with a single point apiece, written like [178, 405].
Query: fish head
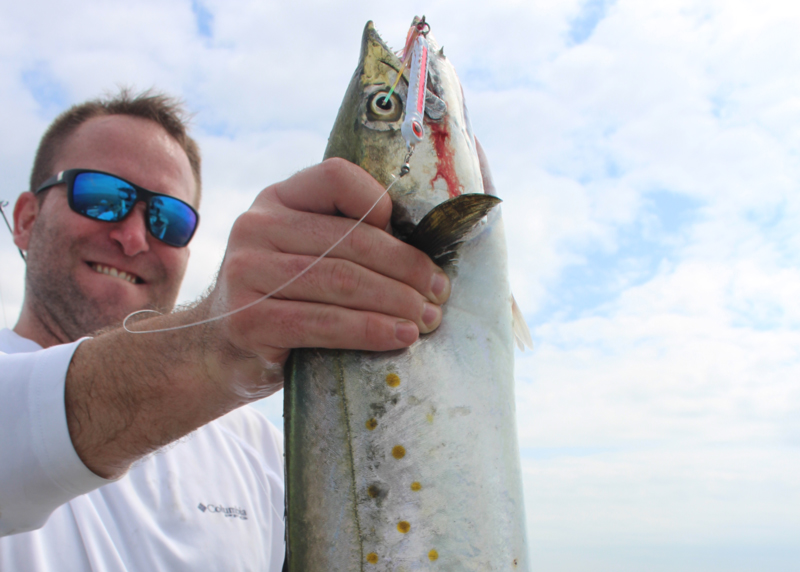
[366, 132]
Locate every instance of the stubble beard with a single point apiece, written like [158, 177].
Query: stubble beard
[58, 302]
[62, 308]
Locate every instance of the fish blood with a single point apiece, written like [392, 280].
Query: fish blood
[445, 166]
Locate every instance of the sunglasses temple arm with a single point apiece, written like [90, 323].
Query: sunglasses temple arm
[5, 204]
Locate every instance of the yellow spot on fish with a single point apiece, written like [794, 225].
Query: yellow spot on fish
[429, 417]
[416, 486]
[433, 555]
[372, 558]
[371, 424]
[393, 380]
[403, 526]
[398, 451]
[373, 491]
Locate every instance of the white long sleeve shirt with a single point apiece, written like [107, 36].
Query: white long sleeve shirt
[212, 501]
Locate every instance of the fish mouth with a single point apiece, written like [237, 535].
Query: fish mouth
[109, 270]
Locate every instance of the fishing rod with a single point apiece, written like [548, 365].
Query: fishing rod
[2, 205]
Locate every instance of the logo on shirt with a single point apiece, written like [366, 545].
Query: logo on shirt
[230, 511]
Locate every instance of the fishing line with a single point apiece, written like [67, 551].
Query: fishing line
[404, 170]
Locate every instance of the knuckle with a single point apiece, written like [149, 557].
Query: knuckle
[335, 169]
[284, 325]
[363, 244]
[236, 266]
[375, 331]
[290, 326]
[418, 269]
[383, 209]
[257, 221]
[243, 228]
[345, 278]
[245, 221]
[320, 325]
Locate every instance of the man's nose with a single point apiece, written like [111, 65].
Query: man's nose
[131, 233]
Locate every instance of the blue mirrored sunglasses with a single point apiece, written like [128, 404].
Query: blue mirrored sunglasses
[106, 197]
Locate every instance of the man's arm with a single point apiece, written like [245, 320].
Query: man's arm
[130, 394]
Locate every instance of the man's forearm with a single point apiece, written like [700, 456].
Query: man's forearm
[128, 395]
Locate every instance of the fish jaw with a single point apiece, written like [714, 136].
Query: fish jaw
[443, 165]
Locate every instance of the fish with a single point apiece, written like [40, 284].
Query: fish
[408, 460]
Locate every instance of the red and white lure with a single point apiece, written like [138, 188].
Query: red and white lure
[415, 51]
[412, 128]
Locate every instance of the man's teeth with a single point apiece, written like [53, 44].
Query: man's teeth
[111, 271]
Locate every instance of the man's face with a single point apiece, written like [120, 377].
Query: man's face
[72, 260]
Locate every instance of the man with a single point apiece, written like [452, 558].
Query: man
[86, 482]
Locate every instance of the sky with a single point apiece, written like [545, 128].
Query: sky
[647, 155]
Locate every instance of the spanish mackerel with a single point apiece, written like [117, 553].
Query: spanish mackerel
[408, 460]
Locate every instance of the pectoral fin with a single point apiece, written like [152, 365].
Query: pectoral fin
[443, 229]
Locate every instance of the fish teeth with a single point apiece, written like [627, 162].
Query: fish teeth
[111, 271]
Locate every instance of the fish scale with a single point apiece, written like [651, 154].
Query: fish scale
[408, 460]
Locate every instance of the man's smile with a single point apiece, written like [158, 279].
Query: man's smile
[115, 272]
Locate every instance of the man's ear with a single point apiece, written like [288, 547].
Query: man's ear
[26, 210]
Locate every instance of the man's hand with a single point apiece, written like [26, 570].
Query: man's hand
[372, 292]
[128, 395]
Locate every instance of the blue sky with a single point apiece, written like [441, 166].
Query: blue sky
[589, 15]
[647, 155]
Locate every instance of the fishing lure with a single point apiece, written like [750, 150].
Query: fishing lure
[412, 128]
[415, 51]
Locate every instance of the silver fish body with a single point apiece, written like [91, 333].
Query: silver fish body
[408, 460]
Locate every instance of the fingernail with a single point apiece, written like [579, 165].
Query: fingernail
[439, 284]
[431, 315]
[406, 332]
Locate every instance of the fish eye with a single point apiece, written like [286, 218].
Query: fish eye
[381, 108]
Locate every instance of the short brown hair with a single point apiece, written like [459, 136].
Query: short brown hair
[167, 111]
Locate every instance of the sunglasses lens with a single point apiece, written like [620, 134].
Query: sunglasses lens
[102, 197]
[171, 220]
[105, 197]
